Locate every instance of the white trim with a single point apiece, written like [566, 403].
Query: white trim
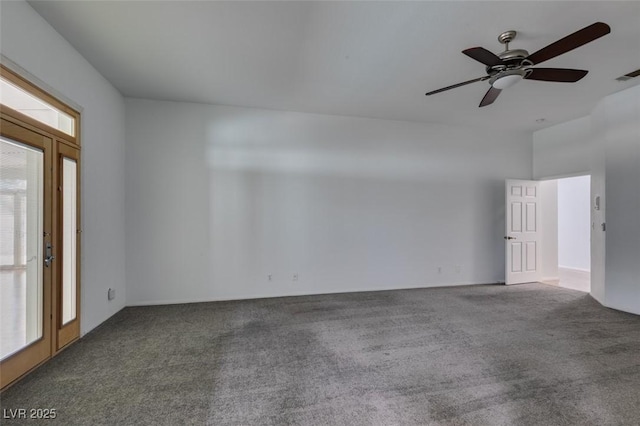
[271, 296]
[621, 309]
[568, 268]
[39, 83]
[593, 296]
[564, 176]
[617, 308]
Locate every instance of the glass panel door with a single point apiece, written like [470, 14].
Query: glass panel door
[68, 288]
[21, 249]
[25, 243]
[69, 232]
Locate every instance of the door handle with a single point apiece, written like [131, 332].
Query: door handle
[48, 255]
[509, 238]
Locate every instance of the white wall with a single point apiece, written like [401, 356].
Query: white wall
[32, 44]
[574, 223]
[620, 117]
[220, 197]
[562, 150]
[613, 145]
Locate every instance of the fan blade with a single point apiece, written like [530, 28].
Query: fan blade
[570, 42]
[457, 85]
[561, 75]
[481, 54]
[490, 96]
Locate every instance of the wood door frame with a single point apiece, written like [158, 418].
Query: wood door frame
[61, 144]
[45, 96]
[65, 333]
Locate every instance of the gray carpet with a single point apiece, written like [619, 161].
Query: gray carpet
[479, 355]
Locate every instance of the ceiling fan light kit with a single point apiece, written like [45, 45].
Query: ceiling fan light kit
[507, 79]
[513, 65]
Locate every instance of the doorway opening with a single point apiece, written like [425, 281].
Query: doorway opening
[567, 228]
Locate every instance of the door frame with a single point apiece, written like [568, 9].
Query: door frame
[66, 333]
[58, 336]
[550, 220]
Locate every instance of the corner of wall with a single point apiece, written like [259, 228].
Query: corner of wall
[29, 42]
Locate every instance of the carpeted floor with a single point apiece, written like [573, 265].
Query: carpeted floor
[479, 355]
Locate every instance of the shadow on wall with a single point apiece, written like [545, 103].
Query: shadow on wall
[266, 203]
[369, 212]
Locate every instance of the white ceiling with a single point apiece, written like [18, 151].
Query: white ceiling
[369, 59]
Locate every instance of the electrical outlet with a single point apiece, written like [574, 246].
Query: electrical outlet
[111, 294]
[269, 277]
[439, 270]
[295, 276]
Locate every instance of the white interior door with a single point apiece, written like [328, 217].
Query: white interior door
[522, 234]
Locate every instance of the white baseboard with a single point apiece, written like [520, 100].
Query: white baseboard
[271, 296]
[568, 268]
[597, 299]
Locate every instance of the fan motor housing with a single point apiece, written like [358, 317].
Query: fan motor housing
[512, 58]
[508, 55]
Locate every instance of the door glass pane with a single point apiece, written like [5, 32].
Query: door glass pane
[69, 227]
[21, 248]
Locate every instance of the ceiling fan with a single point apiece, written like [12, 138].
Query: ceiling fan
[513, 65]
